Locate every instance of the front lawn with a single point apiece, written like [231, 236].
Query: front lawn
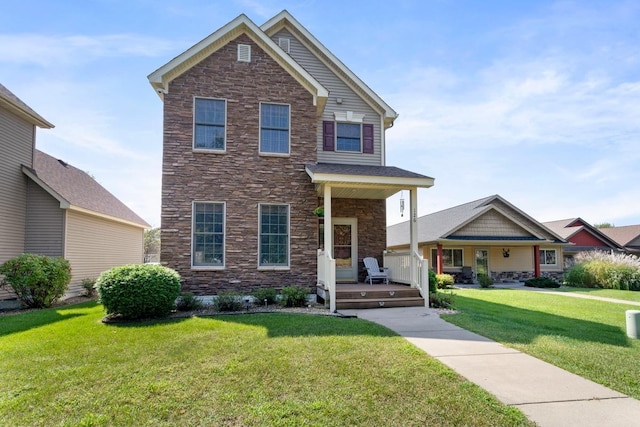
[586, 337]
[607, 293]
[64, 367]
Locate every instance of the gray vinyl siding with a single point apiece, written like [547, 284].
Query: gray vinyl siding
[45, 223]
[350, 102]
[16, 149]
[95, 244]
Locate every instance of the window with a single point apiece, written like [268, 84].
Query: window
[450, 258]
[547, 257]
[348, 137]
[208, 234]
[209, 124]
[274, 128]
[274, 236]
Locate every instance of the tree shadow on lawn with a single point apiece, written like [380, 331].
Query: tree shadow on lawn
[283, 324]
[517, 325]
[20, 322]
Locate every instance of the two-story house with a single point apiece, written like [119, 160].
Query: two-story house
[261, 126]
[50, 207]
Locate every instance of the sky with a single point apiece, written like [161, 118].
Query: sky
[537, 101]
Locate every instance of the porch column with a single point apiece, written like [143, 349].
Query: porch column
[439, 267]
[536, 261]
[413, 232]
[330, 276]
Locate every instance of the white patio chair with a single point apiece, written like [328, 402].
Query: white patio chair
[374, 271]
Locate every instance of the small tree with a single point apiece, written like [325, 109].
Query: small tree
[37, 280]
[151, 243]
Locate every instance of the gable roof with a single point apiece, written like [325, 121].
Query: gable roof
[623, 235]
[571, 227]
[161, 78]
[76, 190]
[285, 20]
[14, 104]
[450, 225]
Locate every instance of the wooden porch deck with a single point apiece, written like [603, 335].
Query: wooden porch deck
[363, 295]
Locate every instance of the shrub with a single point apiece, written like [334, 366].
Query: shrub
[37, 280]
[188, 302]
[604, 270]
[265, 294]
[484, 280]
[228, 301]
[578, 276]
[432, 282]
[541, 282]
[444, 281]
[89, 286]
[294, 296]
[138, 291]
[441, 300]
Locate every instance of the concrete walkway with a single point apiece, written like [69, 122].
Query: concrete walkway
[548, 395]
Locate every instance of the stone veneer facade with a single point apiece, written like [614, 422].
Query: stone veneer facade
[242, 178]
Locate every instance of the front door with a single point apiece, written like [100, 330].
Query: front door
[345, 249]
[482, 262]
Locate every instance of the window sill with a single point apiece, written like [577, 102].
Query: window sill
[274, 268]
[209, 151]
[274, 154]
[207, 267]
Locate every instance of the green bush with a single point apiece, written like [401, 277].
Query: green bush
[541, 282]
[294, 296]
[265, 294]
[433, 286]
[138, 291]
[441, 300]
[89, 286]
[597, 269]
[444, 281]
[577, 276]
[228, 301]
[484, 280]
[37, 280]
[188, 302]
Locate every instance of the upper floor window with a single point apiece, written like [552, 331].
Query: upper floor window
[207, 244]
[209, 124]
[548, 257]
[348, 137]
[274, 128]
[274, 235]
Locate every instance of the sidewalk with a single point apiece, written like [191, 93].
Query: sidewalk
[548, 395]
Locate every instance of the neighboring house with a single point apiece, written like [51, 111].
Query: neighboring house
[628, 237]
[582, 235]
[261, 126]
[52, 208]
[489, 235]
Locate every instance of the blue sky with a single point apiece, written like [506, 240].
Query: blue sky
[538, 101]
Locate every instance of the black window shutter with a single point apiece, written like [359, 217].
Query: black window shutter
[328, 136]
[367, 138]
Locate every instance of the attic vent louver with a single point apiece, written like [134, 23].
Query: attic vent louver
[284, 43]
[244, 53]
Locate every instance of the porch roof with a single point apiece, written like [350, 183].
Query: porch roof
[364, 181]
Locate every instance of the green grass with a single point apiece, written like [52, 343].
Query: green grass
[586, 337]
[607, 293]
[64, 367]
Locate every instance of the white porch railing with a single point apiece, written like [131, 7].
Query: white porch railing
[399, 265]
[327, 276]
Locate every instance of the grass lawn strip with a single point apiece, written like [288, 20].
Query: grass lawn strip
[586, 337]
[606, 293]
[64, 367]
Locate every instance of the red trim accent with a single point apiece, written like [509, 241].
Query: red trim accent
[536, 261]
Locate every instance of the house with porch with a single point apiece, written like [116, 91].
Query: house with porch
[263, 125]
[487, 236]
[583, 236]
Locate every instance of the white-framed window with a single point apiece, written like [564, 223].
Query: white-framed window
[208, 235]
[209, 124]
[274, 128]
[548, 257]
[349, 137]
[273, 235]
[451, 257]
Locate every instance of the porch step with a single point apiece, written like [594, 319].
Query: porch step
[379, 302]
